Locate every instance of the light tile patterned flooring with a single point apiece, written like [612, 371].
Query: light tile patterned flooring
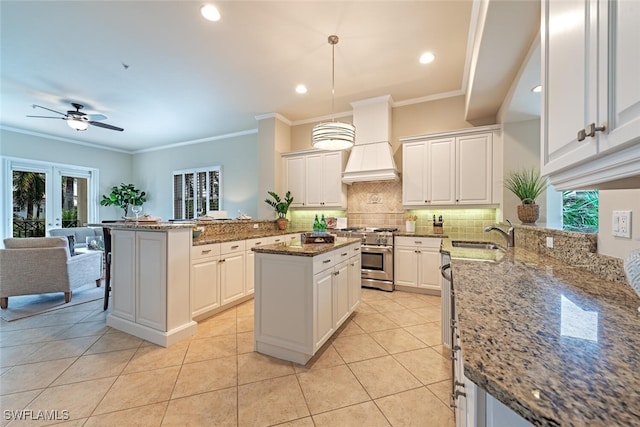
[385, 366]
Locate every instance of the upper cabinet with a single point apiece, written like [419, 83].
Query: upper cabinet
[315, 178]
[591, 93]
[456, 168]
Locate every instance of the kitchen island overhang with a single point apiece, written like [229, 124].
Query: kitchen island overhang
[303, 294]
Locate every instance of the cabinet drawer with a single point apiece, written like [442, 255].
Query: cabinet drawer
[205, 251]
[235, 246]
[343, 254]
[261, 241]
[324, 261]
[423, 242]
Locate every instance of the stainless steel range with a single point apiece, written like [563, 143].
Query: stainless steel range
[377, 255]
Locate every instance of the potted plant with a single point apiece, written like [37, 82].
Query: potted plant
[281, 207]
[527, 185]
[123, 196]
[410, 223]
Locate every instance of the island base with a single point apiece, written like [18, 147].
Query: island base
[282, 353]
[161, 338]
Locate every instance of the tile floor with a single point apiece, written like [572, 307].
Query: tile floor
[385, 366]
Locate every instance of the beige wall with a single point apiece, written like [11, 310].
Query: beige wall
[611, 200]
[521, 150]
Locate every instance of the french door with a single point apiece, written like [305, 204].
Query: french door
[44, 196]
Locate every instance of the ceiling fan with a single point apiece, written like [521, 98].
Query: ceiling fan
[77, 119]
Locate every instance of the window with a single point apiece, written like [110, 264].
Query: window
[196, 191]
[580, 211]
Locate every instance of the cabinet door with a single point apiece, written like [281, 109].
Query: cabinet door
[205, 285]
[151, 300]
[295, 180]
[414, 179]
[474, 169]
[313, 179]
[332, 186]
[429, 269]
[355, 282]
[569, 82]
[232, 273]
[249, 277]
[405, 266]
[441, 172]
[341, 293]
[619, 97]
[124, 274]
[323, 309]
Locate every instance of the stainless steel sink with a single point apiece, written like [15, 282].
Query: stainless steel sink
[474, 245]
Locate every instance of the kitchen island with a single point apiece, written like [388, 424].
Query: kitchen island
[553, 343]
[303, 293]
[151, 296]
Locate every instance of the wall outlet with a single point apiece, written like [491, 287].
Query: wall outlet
[255, 225]
[550, 242]
[621, 224]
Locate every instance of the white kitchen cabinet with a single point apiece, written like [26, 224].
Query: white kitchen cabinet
[301, 301]
[429, 172]
[474, 173]
[591, 93]
[150, 299]
[232, 271]
[205, 278]
[315, 178]
[296, 180]
[417, 263]
[453, 168]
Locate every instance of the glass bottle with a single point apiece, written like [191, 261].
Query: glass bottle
[323, 224]
[316, 225]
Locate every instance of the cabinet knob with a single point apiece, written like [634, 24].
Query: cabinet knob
[582, 135]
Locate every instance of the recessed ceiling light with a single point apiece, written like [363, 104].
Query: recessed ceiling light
[301, 89]
[427, 58]
[536, 89]
[210, 12]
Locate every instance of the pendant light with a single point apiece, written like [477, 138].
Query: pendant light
[333, 135]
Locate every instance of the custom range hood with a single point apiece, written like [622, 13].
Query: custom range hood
[371, 158]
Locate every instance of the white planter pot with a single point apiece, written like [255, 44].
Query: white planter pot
[410, 226]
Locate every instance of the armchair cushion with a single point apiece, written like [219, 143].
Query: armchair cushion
[41, 265]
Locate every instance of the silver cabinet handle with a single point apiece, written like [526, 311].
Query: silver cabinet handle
[592, 129]
[326, 261]
[207, 251]
[582, 135]
[235, 246]
[344, 254]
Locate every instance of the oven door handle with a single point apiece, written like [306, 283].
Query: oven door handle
[376, 249]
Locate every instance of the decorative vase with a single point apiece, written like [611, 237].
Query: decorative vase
[410, 226]
[529, 213]
[282, 223]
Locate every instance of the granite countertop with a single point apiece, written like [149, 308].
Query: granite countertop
[296, 248]
[556, 344]
[221, 238]
[406, 234]
[146, 225]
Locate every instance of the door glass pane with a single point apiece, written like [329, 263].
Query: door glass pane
[75, 200]
[202, 194]
[29, 203]
[177, 196]
[214, 190]
[188, 195]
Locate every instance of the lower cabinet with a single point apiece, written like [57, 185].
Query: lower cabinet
[417, 263]
[301, 301]
[205, 279]
[232, 271]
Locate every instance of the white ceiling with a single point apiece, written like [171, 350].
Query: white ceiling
[189, 79]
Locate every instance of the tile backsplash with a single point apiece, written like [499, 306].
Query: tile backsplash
[379, 204]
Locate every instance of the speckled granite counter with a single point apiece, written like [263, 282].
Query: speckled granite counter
[296, 248]
[531, 325]
[405, 234]
[147, 226]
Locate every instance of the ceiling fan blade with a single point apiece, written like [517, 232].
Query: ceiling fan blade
[48, 117]
[48, 109]
[96, 116]
[106, 126]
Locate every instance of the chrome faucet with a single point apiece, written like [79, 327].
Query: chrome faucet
[509, 234]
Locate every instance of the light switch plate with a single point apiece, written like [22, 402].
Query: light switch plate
[621, 224]
[550, 241]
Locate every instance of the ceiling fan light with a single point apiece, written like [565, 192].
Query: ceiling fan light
[210, 12]
[77, 124]
[333, 136]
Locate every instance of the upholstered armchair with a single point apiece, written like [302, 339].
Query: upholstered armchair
[39, 265]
